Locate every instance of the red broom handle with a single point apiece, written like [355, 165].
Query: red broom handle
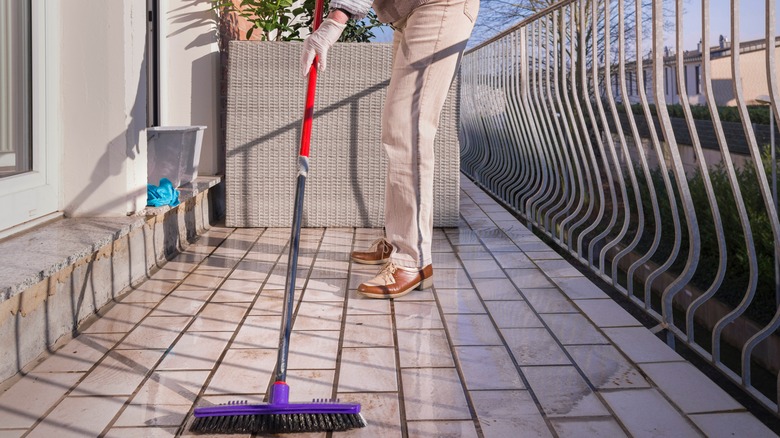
[308, 112]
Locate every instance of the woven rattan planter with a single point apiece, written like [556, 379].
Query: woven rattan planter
[345, 186]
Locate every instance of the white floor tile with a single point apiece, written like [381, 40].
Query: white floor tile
[424, 429]
[496, 289]
[689, 388]
[573, 329]
[488, 368]
[468, 329]
[508, 414]
[29, 398]
[606, 368]
[607, 313]
[644, 412]
[368, 370]
[434, 394]
[424, 348]
[594, 428]
[731, 424]
[562, 392]
[534, 346]
[513, 314]
[417, 315]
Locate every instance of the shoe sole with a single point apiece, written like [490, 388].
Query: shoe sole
[422, 285]
[371, 262]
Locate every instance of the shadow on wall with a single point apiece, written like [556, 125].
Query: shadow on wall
[195, 16]
[124, 147]
[195, 20]
[205, 107]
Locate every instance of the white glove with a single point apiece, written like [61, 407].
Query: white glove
[318, 43]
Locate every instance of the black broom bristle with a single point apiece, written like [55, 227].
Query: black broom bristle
[278, 423]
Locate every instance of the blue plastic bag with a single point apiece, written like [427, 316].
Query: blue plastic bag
[164, 194]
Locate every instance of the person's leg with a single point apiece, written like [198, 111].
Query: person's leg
[427, 48]
[429, 45]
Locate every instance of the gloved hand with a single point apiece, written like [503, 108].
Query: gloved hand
[318, 43]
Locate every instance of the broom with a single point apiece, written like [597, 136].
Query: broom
[279, 415]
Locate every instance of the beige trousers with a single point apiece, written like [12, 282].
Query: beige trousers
[427, 47]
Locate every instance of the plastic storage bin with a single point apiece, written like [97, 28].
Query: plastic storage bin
[174, 153]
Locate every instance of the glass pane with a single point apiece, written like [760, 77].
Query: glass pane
[15, 90]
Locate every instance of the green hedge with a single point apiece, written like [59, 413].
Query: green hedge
[734, 285]
[759, 114]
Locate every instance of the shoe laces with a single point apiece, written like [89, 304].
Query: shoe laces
[387, 273]
[380, 244]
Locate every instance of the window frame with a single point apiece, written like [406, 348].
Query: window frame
[666, 80]
[35, 195]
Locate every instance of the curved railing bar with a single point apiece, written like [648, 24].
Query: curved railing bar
[694, 236]
[578, 188]
[668, 133]
[637, 143]
[549, 142]
[535, 136]
[766, 193]
[560, 149]
[601, 116]
[618, 127]
[589, 159]
[771, 68]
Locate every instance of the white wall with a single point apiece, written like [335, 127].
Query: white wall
[103, 106]
[103, 99]
[190, 74]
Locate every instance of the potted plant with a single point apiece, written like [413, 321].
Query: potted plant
[287, 20]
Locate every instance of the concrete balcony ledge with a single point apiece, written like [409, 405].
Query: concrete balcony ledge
[56, 275]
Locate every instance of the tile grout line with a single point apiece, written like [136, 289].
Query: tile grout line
[595, 390]
[635, 365]
[153, 368]
[296, 302]
[620, 351]
[562, 347]
[109, 350]
[211, 372]
[456, 362]
[508, 350]
[398, 372]
[240, 325]
[337, 373]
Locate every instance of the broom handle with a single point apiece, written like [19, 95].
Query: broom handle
[295, 235]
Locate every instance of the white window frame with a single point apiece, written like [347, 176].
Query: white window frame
[32, 197]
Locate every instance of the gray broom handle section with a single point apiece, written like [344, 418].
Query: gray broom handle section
[292, 267]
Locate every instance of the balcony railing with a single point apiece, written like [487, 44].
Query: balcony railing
[566, 118]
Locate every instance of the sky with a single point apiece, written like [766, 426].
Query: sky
[752, 18]
[752, 13]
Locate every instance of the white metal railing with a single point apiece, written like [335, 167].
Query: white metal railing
[688, 231]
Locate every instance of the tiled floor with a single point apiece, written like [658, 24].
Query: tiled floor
[511, 342]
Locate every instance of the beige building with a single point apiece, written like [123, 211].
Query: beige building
[752, 63]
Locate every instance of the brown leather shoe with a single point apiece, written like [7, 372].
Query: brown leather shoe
[377, 254]
[393, 282]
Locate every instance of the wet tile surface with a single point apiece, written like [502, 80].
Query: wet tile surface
[563, 392]
[511, 341]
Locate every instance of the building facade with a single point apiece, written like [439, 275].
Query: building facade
[752, 61]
